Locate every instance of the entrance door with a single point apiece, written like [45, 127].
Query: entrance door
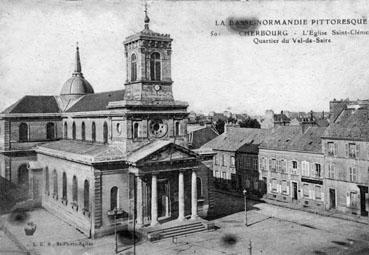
[363, 200]
[332, 198]
[163, 198]
[294, 190]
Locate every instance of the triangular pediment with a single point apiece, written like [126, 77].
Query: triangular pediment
[164, 152]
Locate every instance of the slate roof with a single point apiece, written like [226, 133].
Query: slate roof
[235, 138]
[97, 101]
[291, 138]
[34, 104]
[350, 124]
[82, 151]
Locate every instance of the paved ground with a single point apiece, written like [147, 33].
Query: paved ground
[271, 229]
[7, 246]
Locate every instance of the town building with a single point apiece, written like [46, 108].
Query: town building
[346, 153]
[235, 163]
[198, 135]
[91, 157]
[292, 165]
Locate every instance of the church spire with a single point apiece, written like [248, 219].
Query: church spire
[77, 69]
[147, 19]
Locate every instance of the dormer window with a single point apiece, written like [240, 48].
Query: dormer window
[133, 67]
[155, 67]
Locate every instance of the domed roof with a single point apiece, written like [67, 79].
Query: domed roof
[77, 84]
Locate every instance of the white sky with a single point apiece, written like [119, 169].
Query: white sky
[38, 38]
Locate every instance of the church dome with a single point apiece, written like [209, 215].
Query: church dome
[77, 84]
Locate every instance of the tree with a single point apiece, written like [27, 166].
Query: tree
[219, 126]
[249, 123]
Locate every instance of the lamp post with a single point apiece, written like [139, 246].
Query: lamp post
[244, 195]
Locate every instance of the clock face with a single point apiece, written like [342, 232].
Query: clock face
[157, 87]
[158, 128]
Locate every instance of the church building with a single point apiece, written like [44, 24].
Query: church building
[92, 157]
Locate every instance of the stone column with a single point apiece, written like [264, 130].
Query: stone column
[139, 204]
[181, 204]
[194, 195]
[154, 200]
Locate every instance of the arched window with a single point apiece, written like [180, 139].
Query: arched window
[74, 130]
[133, 67]
[176, 130]
[23, 132]
[50, 131]
[75, 189]
[65, 130]
[64, 194]
[155, 67]
[55, 184]
[23, 175]
[47, 189]
[105, 132]
[135, 130]
[114, 198]
[83, 131]
[86, 195]
[93, 132]
[199, 187]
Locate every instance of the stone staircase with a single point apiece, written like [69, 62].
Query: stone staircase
[179, 230]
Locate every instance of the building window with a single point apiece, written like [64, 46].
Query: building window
[216, 160]
[282, 166]
[23, 176]
[255, 163]
[23, 132]
[352, 150]
[353, 174]
[155, 67]
[75, 189]
[294, 166]
[105, 132]
[273, 165]
[83, 131]
[305, 168]
[284, 188]
[65, 130]
[233, 161]
[331, 170]
[263, 163]
[354, 199]
[135, 130]
[74, 131]
[64, 191]
[93, 132]
[305, 190]
[114, 198]
[176, 129]
[274, 186]
[223, 160]
[55, 184]
[50, 131]
[86, 195]
[133, 67]
[331, 149]
[318, 192]
[216, 173]
[199, 188]
[224, 175]
[47, 185]
[318, 170]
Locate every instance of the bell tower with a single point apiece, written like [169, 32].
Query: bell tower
[148, 64]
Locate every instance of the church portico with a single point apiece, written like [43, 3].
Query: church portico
[165, 182]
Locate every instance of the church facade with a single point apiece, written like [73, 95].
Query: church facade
[96, 158]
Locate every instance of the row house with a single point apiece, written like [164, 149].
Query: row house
[235, 161]
[346, 153]
[291, 164]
